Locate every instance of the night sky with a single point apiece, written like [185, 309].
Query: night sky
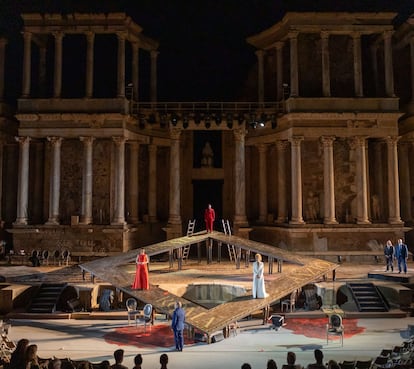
[203, 49]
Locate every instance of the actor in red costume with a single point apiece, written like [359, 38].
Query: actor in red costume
[209, 217]
[141, 274]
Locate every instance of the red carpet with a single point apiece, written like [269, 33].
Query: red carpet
[159, 335]
[316, 328]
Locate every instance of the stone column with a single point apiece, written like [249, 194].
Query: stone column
[1, 176]
[90, 41]
[404, 177]
[57, 82]
[358, 86]
[360, 145]
[294, 70]
[87, 183]
[388, 69]
[135, 70]
[379, 175]
[54, 194]
[374, 58]
[297, 206]
[42, 70]
[3, 43]
[121, 65]
[326, 78]
[328, 180]
[279, 71]
[393, 184]
[27, 64]
[133, 182]
[262, 183]
[152, 184]
[153, 91]
[23, 181]
[260, 76]
[175, 173]
[119, 208]
[412, 66]
[240, 219]
[281, 178]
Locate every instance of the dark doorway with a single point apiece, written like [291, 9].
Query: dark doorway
[207, 192]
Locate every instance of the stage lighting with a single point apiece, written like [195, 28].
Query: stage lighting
[197, 118]
[185, 122]
[174, 119]
[207, 122]
[217, 118]
[163, 120]
[229, 120]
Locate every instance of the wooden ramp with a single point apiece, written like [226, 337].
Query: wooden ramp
[210, 321]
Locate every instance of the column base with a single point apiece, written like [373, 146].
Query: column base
[396, 221]
[363, 221]
[297, 222]
[52, 221]
[20, 221]
[330, 221]
[118, 222]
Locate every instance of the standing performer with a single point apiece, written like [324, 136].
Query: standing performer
[401, 254]
[177, 325]
[389, 256]
[141, 274]
[209, 217]
[258, 290]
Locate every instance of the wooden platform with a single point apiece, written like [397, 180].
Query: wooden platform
[209, 321]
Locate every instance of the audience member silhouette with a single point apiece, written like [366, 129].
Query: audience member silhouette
[32, 360]
[246, 366]
[291, 359]
[55, 364]
[119, 358]
[332, 364]
[17, 358]
[271, 364]
[319, 360]
[137, 361]
[164, 361]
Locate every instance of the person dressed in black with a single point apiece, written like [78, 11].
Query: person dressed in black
[177, 325]
[319, 360]
[389, 256]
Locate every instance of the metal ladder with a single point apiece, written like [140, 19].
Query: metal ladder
[227, 232]
[190, 232]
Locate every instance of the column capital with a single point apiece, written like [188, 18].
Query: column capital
[392, 140]
[27, 35]
[387, 34]
[239, 134]
[262, 147]
[58, 35]
[175, 133]
[118, 140]
[293, 35]
[324, 35]
[54, 140]
[296, 140]
[355, 35]
[282, 145]
[87, 139]
[279, 45]
[22, 139]
[121, 36]
[259, 53]
[358, 141]
[154, 54]
[90, 36]
[327, 141]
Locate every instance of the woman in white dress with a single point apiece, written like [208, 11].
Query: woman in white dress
[258, 290]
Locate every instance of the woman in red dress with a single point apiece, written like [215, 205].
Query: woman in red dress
[141, 274]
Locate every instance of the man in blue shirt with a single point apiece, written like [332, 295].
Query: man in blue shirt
[401, 254]
[177, 325]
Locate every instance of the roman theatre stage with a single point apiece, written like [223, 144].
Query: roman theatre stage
[171, 285]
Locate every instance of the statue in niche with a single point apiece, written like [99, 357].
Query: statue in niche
[207, 156]
[312, 206]
[376, 208]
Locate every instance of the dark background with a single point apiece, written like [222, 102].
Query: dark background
[203, 49]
